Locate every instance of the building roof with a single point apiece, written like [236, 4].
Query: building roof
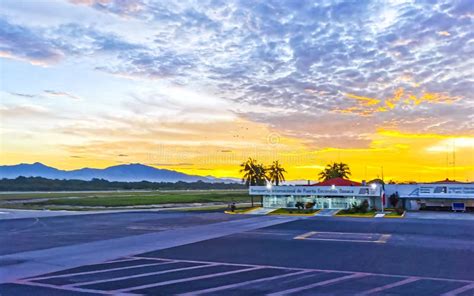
[337, 182]
[447, 181]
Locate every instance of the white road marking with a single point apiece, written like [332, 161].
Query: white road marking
[97, 271]
[315, 269]
[231, 286]
[225, 263]
[346, 240]
[246, 267]
[313, 235]
[319, 284]
[389, 286]
[459, 290]
[118, 260]
[305, 235]
[201, 277]
[61, 288]
[268, 233]
[137, 275]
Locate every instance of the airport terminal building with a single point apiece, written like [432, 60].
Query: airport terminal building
[336, 193]
[341, 193]
[458, 196]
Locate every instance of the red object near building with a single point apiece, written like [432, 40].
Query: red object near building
[337, 182]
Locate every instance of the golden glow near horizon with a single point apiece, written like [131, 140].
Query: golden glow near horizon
[96, 83]
[398, 156]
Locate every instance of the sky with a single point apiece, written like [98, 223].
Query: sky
[200, 86]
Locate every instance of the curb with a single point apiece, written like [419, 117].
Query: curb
[243, 212]
[353, 216]
[396, 217]
[302, 215]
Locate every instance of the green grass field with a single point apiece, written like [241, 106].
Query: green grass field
[36, 195]
[123, 199]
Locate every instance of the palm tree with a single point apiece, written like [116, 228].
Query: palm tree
[275, 173]
[248, 170]
[254, 173]
[335, 170]
[343, 170]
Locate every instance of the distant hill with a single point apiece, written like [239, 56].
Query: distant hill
[122, 173]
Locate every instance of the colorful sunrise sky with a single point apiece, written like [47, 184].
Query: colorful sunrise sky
[199, 86]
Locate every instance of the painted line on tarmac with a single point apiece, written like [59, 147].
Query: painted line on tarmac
[27, 227]
[70, 289]
[315, 269]
[268, 233]
[201, 277]
[305, 235]
[230, 264]
[138, 275]
[120, 260]
[347, 275]
[312, 235]
[97, 271]
[346, 240]
[459, 290]
[231, 286]
[320, 284]
[389, 286]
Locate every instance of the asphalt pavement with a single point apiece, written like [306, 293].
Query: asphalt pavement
[251, 256]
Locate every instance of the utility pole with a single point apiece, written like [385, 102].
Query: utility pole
[454, 160]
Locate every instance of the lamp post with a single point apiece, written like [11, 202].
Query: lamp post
[374, 187]
[269, 187]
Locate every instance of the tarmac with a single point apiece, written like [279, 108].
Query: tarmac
[210, 253]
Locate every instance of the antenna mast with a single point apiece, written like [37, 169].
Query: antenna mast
[454, 160]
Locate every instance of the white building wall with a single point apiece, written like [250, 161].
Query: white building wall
[415, 195]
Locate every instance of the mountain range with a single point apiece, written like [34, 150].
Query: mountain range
[125, 173]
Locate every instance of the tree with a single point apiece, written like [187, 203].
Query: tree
[335, 170]
[394, 198]
[275, 173]
[254, 173]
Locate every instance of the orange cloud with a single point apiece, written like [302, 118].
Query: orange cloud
[367, 106]
[364, 100]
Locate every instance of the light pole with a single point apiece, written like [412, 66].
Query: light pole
[374, 187]
[269, 187]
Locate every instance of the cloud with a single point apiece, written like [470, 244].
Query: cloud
[48, 46]
[369, 106]
[119, 7]
[22, 95]
[20, 43]
[330, 74]
[54, 93]
[358, 58]
[453, 144]
[24, 110]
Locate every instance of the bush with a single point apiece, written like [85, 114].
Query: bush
[394, 199]
[399, 211]
[299, 205]
[362, 208]
[309, 205]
